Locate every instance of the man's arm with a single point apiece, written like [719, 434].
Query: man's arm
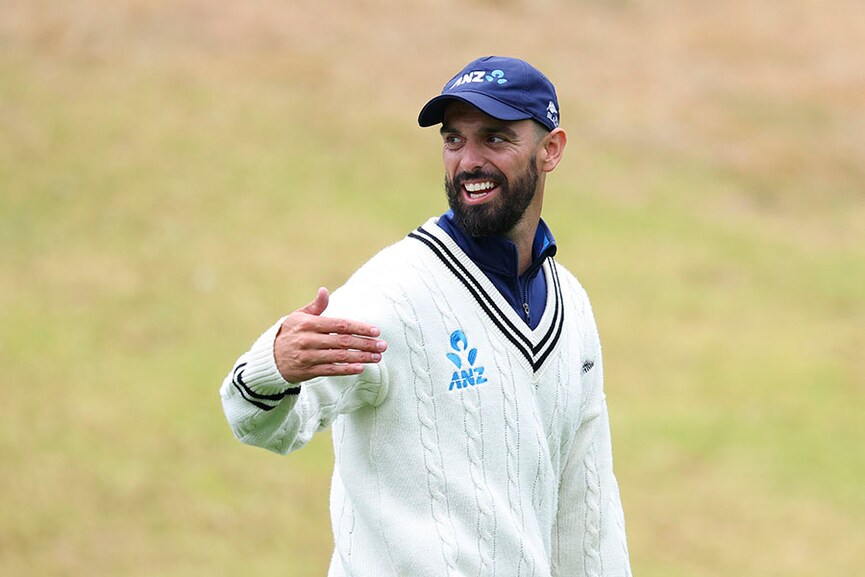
[276, 395]
[589, 537]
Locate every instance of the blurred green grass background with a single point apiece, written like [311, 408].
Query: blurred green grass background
[176, 175]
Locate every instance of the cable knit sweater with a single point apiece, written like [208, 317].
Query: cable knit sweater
[476, 447]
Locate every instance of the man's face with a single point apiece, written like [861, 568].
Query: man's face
[491, 172]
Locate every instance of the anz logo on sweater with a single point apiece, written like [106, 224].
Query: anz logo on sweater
[468, 374]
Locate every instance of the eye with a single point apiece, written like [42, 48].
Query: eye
[495, 139]
[452, 140]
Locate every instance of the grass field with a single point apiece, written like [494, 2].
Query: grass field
[176, 175]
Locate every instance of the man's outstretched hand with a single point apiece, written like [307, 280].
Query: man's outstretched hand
[309, 345]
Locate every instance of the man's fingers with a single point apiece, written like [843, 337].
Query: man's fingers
[309, 345]
[346, 327]
[310, 332]
[320, 357]
[344, 342]
[304, 323]
[326, 363]
[332, 325]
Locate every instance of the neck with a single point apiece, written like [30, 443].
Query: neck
[523, 234]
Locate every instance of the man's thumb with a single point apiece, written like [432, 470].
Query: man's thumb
[317, 306]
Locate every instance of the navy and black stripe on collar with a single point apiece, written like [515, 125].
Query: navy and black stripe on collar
[535, 349]
[499, 259]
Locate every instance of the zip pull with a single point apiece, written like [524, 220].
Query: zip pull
[526, 308]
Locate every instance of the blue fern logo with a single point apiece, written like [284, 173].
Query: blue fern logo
[467, 374]
[496, 75]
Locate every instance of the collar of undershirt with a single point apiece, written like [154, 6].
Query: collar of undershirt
[497, 254]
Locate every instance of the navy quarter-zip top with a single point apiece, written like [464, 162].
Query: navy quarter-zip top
[499, 260]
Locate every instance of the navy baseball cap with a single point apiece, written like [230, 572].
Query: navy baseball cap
[504, 88]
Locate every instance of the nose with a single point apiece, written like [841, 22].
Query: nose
[471, 157]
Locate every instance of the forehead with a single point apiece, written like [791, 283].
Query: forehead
[461, 115]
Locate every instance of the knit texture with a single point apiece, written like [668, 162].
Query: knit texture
[477, 447]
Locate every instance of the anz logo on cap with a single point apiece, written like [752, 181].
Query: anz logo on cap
[496, 76]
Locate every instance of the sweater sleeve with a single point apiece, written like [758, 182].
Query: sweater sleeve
[266, 411]
[589, 536]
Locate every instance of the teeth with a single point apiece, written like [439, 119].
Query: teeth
[478, 186]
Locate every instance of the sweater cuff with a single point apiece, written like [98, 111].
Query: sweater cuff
[261, 374]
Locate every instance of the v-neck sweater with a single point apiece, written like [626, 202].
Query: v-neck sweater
[477, 446]
[499, 259]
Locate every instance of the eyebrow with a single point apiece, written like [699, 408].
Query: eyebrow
[486, 130]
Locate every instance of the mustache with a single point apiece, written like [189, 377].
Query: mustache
[494, 177]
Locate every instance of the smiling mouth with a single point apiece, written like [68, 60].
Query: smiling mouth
[478, 190]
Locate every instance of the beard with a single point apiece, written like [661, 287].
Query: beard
[503, 213]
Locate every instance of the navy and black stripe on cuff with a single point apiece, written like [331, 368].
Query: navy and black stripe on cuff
[254, 398]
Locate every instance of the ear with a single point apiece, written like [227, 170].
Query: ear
[552, 147]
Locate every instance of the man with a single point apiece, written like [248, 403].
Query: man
[460, 369]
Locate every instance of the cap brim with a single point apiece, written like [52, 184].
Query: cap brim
[434, 110]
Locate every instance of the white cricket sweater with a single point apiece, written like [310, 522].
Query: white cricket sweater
[476, 447]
